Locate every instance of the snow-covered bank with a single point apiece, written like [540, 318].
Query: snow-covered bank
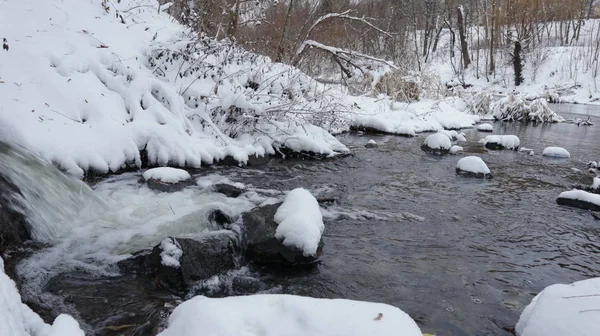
[17, 319]
[287, 315]
[561, 310]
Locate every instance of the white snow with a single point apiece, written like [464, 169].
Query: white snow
[456, 149]
[596, 183]
[525, 149]
[485, 127]
[561, 310]
[372, 142]
[275, 315]
[452, 135]
[166, 174]
[438, 141]
[300, 221]
[581, 195]
[17, 319]
[557, 152]
[473, 164]
[170, 252]
[507, 141]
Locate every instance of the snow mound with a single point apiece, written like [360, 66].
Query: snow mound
[561, 310]
[502, 142]
[275, 315]
[452, 135]
[166, 175]
[473, 165]
[300, 221]
[557, 152]
[456, 149]
[17, 319]
[485, 128]
[438, 141]
[170, 252]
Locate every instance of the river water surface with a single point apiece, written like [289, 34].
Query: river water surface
[461, 256]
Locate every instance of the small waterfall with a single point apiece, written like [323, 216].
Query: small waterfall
[51, 199]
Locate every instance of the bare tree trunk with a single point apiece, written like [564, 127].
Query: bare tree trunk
[279, 55]
[464, 47]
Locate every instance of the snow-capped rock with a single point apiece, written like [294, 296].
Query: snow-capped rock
[437, 143]
[556, 152]
[473, 166]
[502, 142]
[485, 127]
[580, 199]
[166, 179]
[456, 149]
[372, 144]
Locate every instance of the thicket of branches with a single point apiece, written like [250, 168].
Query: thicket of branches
[346, 37]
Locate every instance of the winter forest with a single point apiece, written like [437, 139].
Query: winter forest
[299, 167]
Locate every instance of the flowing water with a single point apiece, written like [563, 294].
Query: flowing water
[461, 256]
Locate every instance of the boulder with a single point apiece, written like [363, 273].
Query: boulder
[14, 228]
[438, 143]
[261, 245]
[228, 190]
[167, 179]
[580, 199]
[220, 219]
[372, 144]
[196, 260]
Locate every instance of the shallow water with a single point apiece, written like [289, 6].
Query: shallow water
[461, 256]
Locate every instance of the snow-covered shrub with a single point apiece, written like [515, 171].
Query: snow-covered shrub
[480, 104]
[517, 108]
[397, 85]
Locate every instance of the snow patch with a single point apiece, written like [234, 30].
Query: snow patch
[557, 152]
[166, 175]
[300, 221]
[275, 315]
[171, 252]
[561, 310]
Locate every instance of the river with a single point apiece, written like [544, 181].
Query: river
[461, 256]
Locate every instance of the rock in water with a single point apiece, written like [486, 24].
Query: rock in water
[438, 143]
[580, 199]
[14, 228]
[166, 179]
[485, 128]
[556, 152]
[177, 263]
[228, 190]
[261, 245]
[496, 142]
[473, 166]
[371, 144]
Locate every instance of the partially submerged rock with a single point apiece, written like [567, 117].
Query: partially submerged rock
[485, 127]
[496, 142]
[438, 143]
[177, 263]
[473, 166]
[14, 228]
[263, 247]
[580, 199]
[371, 144]
[227, 190]
[167, 179]
[556, 152]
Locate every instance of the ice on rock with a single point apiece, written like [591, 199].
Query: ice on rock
[166, 175]
[473, 166]
[502, 142]
[300, 223]
[456, 149]
[276, 315]
[485, 128]
[561, 310]
[557, 152]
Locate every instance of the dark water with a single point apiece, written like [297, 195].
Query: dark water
[483, 249]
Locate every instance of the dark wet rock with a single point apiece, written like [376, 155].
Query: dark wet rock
[578, 203]
[596, 215]
[497, 146]
[220, 218]
[158, 185]
[14, 228]
[435, 151]
[228, 190]
[123, 305]
[200, 260]
[466, 173]
[243, 285]
[261, 245]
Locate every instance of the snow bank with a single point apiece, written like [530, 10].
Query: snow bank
[275, 315]
[502, 141]
[166, 174]
[300, 221]
[485, 128]
[438, 141]
[17, 319]
[474, 165]
[561, 310]
[557, 152]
